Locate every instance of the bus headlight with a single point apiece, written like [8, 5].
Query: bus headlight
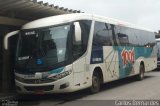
[61, 75]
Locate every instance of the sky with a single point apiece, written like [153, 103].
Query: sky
[144, 13]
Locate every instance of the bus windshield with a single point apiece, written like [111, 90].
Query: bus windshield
[42, 48]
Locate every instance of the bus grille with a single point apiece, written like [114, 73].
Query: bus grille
[43, 88]
[34, 81]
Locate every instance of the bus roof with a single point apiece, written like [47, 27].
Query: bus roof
[66, 18]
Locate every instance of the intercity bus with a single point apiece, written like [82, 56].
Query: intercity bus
[70, 52]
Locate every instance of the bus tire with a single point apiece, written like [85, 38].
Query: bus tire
[95, 83]
[140, 76]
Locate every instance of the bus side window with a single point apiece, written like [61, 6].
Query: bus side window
[123, 39]
[122, 35]
[102, 34]
[85, 29]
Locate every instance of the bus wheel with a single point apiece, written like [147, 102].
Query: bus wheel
[140, 76]
[95, 83]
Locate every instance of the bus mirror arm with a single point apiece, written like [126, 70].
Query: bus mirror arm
[7, 36]
[77, 30]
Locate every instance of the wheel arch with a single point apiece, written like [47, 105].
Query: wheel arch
[142, 63]
[98, 69]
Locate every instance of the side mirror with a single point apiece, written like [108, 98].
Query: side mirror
[78, 33]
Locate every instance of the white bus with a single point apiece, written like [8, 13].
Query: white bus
[71, 52]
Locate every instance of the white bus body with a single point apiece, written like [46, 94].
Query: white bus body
[56, 55]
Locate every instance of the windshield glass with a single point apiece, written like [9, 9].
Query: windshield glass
[43, 47]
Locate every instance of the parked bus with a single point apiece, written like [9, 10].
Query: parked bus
[158, 52]
[71, 52]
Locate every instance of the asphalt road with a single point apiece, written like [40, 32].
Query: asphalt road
[124, 89]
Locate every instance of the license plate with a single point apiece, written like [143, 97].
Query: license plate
[39, 92]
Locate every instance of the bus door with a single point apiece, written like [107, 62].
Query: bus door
[79, 61]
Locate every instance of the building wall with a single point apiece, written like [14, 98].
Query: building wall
[4, 29]
[6, 69]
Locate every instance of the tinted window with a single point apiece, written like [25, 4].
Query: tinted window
[145, 38]
[137, 34]
[133, 37]
[152, 39]
[102, 34]
[85, 27]
[123, 39]
[122, 34]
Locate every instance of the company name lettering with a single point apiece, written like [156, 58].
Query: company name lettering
[127, 56]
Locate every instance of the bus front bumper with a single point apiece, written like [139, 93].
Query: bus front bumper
[60, 86]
